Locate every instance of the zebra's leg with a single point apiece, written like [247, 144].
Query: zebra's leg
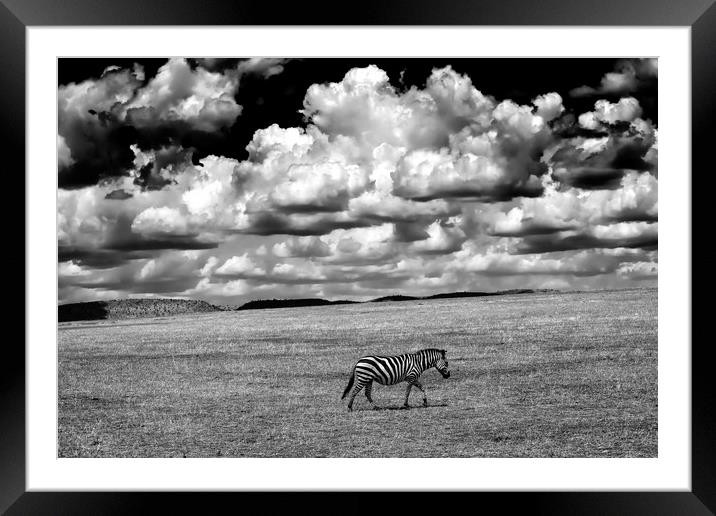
[407, 395]
[420, 386]
[368, 391]
[355, 392]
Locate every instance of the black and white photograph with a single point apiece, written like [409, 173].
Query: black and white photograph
[357, 257]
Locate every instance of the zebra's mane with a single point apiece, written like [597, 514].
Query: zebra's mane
[427, 351]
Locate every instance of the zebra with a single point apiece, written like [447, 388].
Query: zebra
[390, 370]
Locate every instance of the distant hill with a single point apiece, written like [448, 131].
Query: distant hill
[136, 308]
[450, 295]
[131, 309]
[289, 303]
[260, 304]
[394, 298]
[514, 291]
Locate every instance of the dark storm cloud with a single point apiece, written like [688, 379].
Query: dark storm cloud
[630, 154]
[535, 244]
[158, 243]
[181, 106]
[107, 152]
[148, 177]
[410, 216]
[117, 253]
[95, 258]
[533, 228]
[449, 248]
[118, 195]
[477, 194]
[605, 168]
[95, 143]
[104, 153]
[630, 215]
[590, 178]
[159, 286]
[178, 134]
[271, 223]
[407, 232]
[336, 204]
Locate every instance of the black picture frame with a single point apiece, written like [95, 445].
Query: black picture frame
[699, 15]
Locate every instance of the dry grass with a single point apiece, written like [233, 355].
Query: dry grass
[542, 375]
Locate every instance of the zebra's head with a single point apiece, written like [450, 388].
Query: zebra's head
[441, 364]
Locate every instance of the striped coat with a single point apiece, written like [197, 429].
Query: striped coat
[390, 370]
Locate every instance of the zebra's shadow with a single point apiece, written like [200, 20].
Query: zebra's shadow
[413, 407]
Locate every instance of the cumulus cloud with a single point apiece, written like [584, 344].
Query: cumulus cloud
[441, 239]
[94, 223]
[605, 112]
[143, 277]
[416, 190]
[297, 273]
[372, 150]
[264, 66]
[362, 245]
[71, 269]
[326, 186]
[201, 99]
[638, 270]
[205, 288]
[549, 106]
[261, 66]
[239, 266]
[366, 107]
[448, 140]
[573, 214]
[159, 220]
[629, 75]
[521, 221]
[428, 175]
[64, 155]
[209, 266]
[494, 261]
[304, 247]
[330, 175]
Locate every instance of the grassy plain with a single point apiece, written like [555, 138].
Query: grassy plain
[539, 375]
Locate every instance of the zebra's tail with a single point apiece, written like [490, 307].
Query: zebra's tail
[350, 384]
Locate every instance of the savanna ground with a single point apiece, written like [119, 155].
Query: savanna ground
[540, 375]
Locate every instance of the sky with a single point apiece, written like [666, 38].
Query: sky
[230, 180]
